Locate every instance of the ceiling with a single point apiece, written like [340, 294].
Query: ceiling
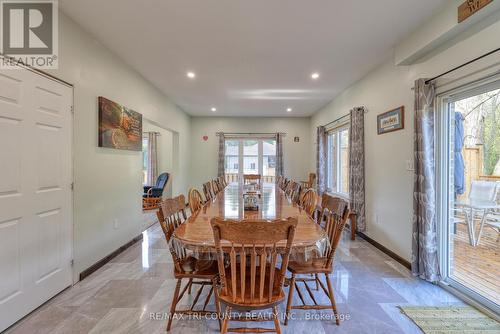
[251, 57]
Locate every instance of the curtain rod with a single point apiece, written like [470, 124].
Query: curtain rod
[337, 120]
[463, 65]
[249, 133]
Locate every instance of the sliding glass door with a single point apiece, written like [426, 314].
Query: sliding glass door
[469, 176]
[250, 156]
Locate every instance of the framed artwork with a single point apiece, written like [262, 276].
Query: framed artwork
[119, 127]
[392, 120]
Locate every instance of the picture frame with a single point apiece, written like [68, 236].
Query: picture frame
[390, 121]
[119, 127]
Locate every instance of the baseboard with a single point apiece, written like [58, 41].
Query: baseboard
[385, 250]
[87, 272]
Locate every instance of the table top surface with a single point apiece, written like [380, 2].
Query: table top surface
[228, 204]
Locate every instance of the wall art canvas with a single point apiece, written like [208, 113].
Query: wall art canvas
[119, 127]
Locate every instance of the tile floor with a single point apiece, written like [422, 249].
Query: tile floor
[122, 296]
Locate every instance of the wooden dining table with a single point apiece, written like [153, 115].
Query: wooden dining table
[196, 232]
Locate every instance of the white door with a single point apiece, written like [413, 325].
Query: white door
[35, 191]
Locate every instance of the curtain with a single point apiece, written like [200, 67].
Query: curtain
[279, 155]
[321, 157]
[424, 261]
[152, 158]
[222, 155]
[357, 165]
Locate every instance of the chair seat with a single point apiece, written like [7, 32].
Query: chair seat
[278, 294]
[197, 268]
[313, 266]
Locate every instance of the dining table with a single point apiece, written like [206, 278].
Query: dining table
[196, 233]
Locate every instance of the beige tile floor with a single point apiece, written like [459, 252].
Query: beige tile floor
[122, 296]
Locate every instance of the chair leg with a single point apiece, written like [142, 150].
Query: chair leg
[332, 299]
[190, 285]
[217, 305]
[276, 320]
[290, 298]
[316, 278]
[174, 303]
[225, 323]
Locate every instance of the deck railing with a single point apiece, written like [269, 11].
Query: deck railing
[234, 177]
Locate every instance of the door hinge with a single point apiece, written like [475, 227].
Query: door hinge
[72, 109]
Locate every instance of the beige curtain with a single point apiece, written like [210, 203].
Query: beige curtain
[221, 170]
[357, 165]
[152, 158]
[321, 158]
[279, 155]
[424, 261]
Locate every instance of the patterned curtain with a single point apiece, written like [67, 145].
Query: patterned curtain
[357, 165]
[152, 158]
[222, 155]
[424, 261]
[279, 155]
[321, 157]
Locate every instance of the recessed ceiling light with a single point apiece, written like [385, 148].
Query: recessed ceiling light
[191, 75]
[214, 109]
[315, 75]
[288, 109]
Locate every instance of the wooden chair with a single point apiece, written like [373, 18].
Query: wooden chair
[195, 200]
[308, 201]
[222, 181]
[285, 184]
[293, 190]
[216, 187]
[200, 272]
[311, 183]
[334, 213]
[207, 190]
[252, 280]
[253, 179]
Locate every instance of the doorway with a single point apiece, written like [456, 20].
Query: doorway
[469, 168]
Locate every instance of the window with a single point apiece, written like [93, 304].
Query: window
[145, 158]
[232, 160]
[338, 160]
[251, 156]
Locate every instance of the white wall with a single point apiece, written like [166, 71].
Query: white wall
[388, 184]
[204, 154]
[108, 182]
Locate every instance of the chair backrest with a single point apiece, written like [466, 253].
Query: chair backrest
[252, 178]
[215, 187]
[259, 242]
[207, 190]
[222, 181]
[195, 200]
[484, 190]
[334, 212]
[312, 180]
[162, 180]
[171, 214]
[308, 201]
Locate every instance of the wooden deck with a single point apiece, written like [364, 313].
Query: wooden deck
[477, 267]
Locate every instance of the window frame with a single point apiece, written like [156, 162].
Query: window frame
[241, 156]
[334, 174]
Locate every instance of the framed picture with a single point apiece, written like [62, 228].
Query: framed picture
[392, 120]
[119, 127]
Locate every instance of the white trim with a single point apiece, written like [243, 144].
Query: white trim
[443, 132]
